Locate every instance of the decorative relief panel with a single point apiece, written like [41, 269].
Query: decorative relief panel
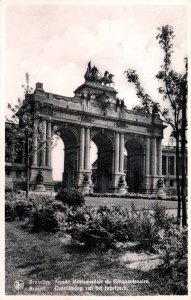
[46, 109]
[86, 118]
[121, 123]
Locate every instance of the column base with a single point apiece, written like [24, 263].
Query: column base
[86, 188]
[47, 175]
[116, 178]
[80, 177]
[122, 189]
[39, 188]
[161, 192]
[149, 185]
[117, 187]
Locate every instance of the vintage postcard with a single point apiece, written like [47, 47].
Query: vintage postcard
[94, 127]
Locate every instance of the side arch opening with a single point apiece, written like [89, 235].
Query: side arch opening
[134, 165]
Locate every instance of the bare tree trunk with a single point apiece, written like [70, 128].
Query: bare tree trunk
[27, 166]
[183, 151]
[178, 180]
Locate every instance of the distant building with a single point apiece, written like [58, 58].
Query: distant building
[169, 168]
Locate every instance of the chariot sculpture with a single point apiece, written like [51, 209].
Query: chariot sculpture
[93, 75]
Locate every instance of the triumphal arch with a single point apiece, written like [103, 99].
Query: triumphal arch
[95, 113]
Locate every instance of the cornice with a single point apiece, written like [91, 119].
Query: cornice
[50, 109]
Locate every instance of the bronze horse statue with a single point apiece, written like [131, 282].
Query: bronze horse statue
[92, 74]
[106, 79]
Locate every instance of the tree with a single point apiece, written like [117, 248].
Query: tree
[21, 128]
[184, 87]
[174, 94]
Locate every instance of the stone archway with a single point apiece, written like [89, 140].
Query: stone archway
[135, 165]
[95, 112]
[102, 177]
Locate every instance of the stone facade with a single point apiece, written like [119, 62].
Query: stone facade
[96, 114]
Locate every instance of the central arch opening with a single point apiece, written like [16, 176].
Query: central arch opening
[102, 168]
[71, 150]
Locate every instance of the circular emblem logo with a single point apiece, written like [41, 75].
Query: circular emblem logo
[19, 285]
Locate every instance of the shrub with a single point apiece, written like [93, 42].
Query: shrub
[159, 215]
[78, 215]
[38, 199]
[15, 196]
[9, 211]
[173, 247]
[145, 226]
[8, 184]
[10, 199]
[98, 228]
[92, 234]
[43, 218]
[102, 227]
[148, 231]
[22, 209]
[71, 197]
[19, 184]
[59, 206]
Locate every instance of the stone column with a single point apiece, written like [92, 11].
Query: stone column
[35, 144]
[116, 152]
[144, 163]
[113, 161]
[121, 153]
[81, 164]
[43, 141]
[167, 171]
[48, 152]
[153, 156]
[160, 157]
[87, 149]
[148, 157]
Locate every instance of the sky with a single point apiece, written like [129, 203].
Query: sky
[54, 44]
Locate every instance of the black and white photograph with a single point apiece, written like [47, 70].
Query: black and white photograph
[94, 192]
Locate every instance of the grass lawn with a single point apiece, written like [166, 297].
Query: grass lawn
[43, 257]
[126, 202]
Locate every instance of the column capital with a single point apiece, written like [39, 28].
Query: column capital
[49, 119]
[87, 126]
[43, 119]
